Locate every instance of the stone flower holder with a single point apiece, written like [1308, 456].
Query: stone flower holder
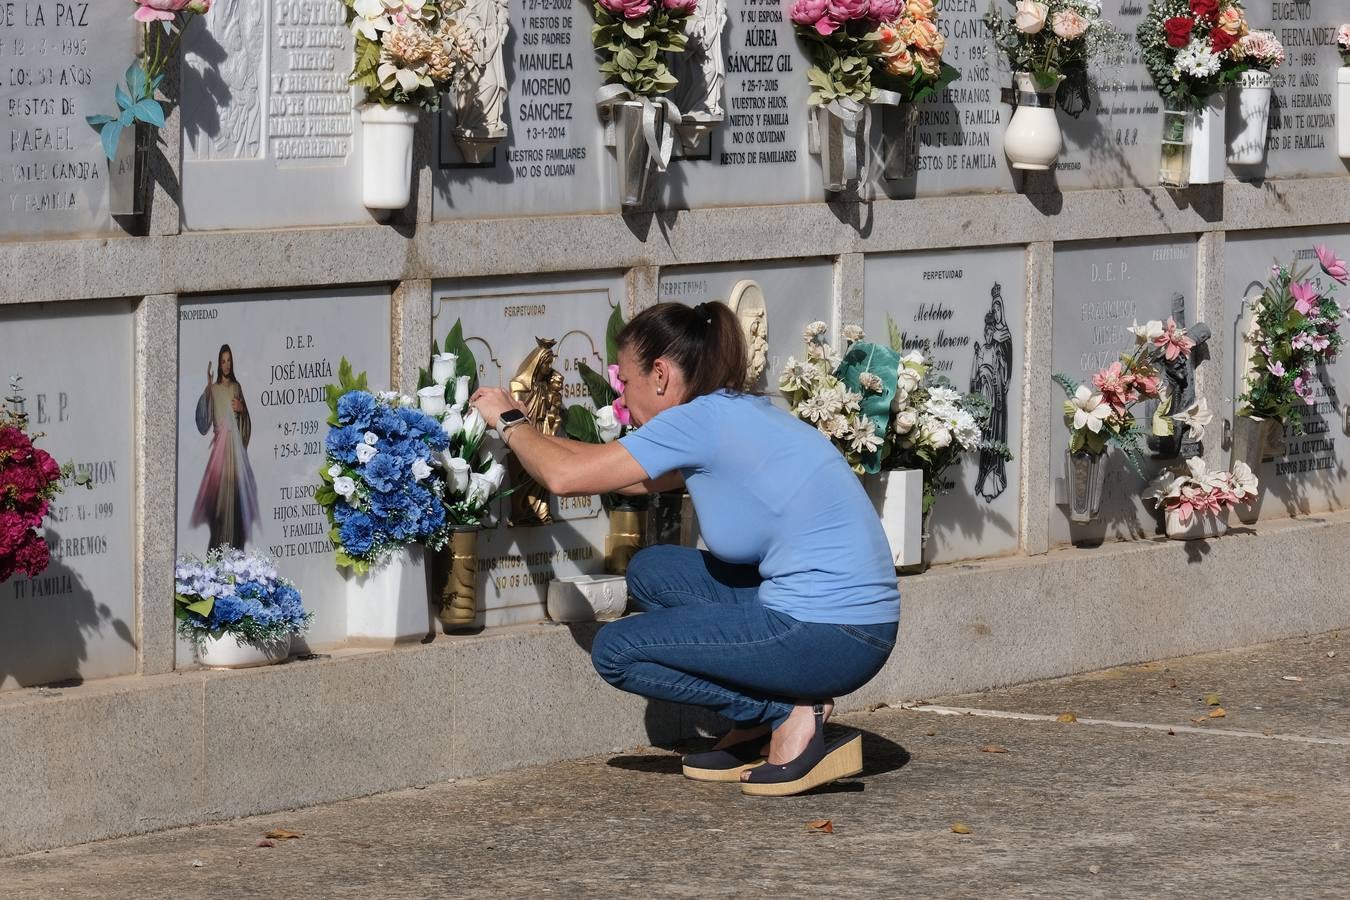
[386, 154]
[1084, 476]
[1198, 527]
[1207, 141]
[1250, 115]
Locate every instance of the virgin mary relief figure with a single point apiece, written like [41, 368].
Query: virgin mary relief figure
[225, 53]
[993, 369]
[480, 90]
[700, 68]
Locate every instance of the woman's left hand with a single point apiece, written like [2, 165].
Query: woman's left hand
[492, 402]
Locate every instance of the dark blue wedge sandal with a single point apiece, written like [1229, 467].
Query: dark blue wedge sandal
[820, 763]
[726, 764]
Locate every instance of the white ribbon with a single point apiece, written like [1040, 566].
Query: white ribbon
[851, 115]
[659, 145]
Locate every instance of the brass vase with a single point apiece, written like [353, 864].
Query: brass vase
[626, 530]
[459, 597]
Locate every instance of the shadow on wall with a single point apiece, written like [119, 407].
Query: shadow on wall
[45, 626]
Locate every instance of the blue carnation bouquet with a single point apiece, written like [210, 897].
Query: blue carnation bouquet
[379, 487]
[231, 592]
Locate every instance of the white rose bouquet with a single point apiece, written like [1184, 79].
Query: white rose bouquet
[935, 425]
[472, 478]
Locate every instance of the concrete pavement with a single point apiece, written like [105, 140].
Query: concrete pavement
[1172, 794]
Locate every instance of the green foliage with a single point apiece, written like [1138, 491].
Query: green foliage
[465, 364]
[835, 76]
[631, 50]
[612, 329]
[597, 385]
[917, 87]
[895, 335]
[579, 425]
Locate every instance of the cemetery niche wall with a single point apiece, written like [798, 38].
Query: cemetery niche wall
[1302, 473]
[1101, 289]
[252, 419]
[75, 620]
[527, 544]
[963, 312]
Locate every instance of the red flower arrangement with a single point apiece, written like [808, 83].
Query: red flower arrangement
[29, 478]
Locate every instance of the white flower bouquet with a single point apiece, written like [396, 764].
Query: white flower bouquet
[472, 477]
[1190, 490]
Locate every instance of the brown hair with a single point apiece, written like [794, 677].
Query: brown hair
[704, 341]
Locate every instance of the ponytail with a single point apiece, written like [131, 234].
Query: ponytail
[704, 341]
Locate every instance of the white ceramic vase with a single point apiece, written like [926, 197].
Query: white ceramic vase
[1343, 112]
[390, 604]
[1249, 116]
[1033, 140]
[1207, 141]
[1200, 525]
[386, 154]
[897, 496]
[229, 651]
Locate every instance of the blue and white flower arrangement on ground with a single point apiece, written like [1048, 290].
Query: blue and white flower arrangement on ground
[231, 592]
[380, 489]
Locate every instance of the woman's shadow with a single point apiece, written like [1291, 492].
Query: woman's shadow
[47, 623]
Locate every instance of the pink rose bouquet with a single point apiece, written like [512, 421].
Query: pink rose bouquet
[1343, 43]
[859, 46]
[1295, 328]
[163, 22]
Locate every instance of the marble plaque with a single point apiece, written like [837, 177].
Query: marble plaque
[270, 135]
[1111, 134]
[963, 311]
[554, 158]
[1301, 141]
[795, 293]
[1310, 475]
[77, 619]
[501, 320]
[261, 460]
[58, 63]
[1100, 290]
[758, 155]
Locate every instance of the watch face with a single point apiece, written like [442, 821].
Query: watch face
[511, 415]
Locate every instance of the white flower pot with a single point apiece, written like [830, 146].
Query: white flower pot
[1200, 525]
[897, 495]
[386, 154]
[229, 651]
[1207, 141]
[1033, 139]
[1343, 112]
[1246, 126]
[390, 604]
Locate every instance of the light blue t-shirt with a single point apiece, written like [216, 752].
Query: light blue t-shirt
[771, 490]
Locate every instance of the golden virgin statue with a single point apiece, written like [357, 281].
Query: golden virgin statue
[538, 387]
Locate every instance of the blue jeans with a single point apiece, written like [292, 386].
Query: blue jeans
[705, 639]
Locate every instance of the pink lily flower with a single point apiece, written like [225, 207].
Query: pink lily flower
[1305, 296]
[1173, 341]
[1331, 264]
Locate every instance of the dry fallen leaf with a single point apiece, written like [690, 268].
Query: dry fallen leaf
[931, 733]
[873, 707]
[1200, 721]
[1172, 685]
[1217, 713]
[1066, 716]
[1331, 654]
[1094, 869]
[1171, 732]
[282, 834]
[824, 825]
[1292, 677]
[961, 828]
[1212, 699]
[197, 864]
[265, 843]
[993, 748]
